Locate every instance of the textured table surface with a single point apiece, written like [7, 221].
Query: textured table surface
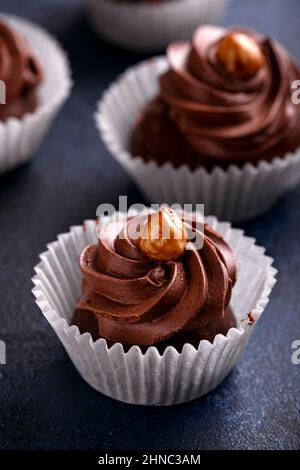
[44, 404]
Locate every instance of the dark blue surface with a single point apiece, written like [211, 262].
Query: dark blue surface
[44, 404]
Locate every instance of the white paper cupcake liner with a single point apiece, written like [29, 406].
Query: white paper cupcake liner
[232, 194]
[20, 138]
[150, 378]
[147, 26]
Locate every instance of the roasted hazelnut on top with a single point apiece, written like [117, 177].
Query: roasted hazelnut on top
[240, 55]
[162, 236]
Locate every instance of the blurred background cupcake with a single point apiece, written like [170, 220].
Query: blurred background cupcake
[35, 78]
[215, 119]
[151, 24]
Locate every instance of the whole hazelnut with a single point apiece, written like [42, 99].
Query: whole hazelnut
[240, 55]
[162, 236]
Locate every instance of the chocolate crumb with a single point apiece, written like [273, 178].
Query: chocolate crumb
[251, 318]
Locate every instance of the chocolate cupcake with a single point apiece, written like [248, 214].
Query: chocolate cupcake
[35, 78]
[156, 291]
[167, 304]
[225, 99]
[214, 118]
[150, 24]
[20, 71]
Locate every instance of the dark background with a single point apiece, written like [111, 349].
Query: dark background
[44, 404]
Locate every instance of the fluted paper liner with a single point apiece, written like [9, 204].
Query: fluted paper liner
[150, 378]
[148, 26]
[20, 138]
[231, 194]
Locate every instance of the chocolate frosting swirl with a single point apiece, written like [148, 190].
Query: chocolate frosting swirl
[226, 118]
[21, 72]
[135, 300]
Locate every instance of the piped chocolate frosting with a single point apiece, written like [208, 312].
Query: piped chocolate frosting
[131, 299]
[214, 117]
[21, 72]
